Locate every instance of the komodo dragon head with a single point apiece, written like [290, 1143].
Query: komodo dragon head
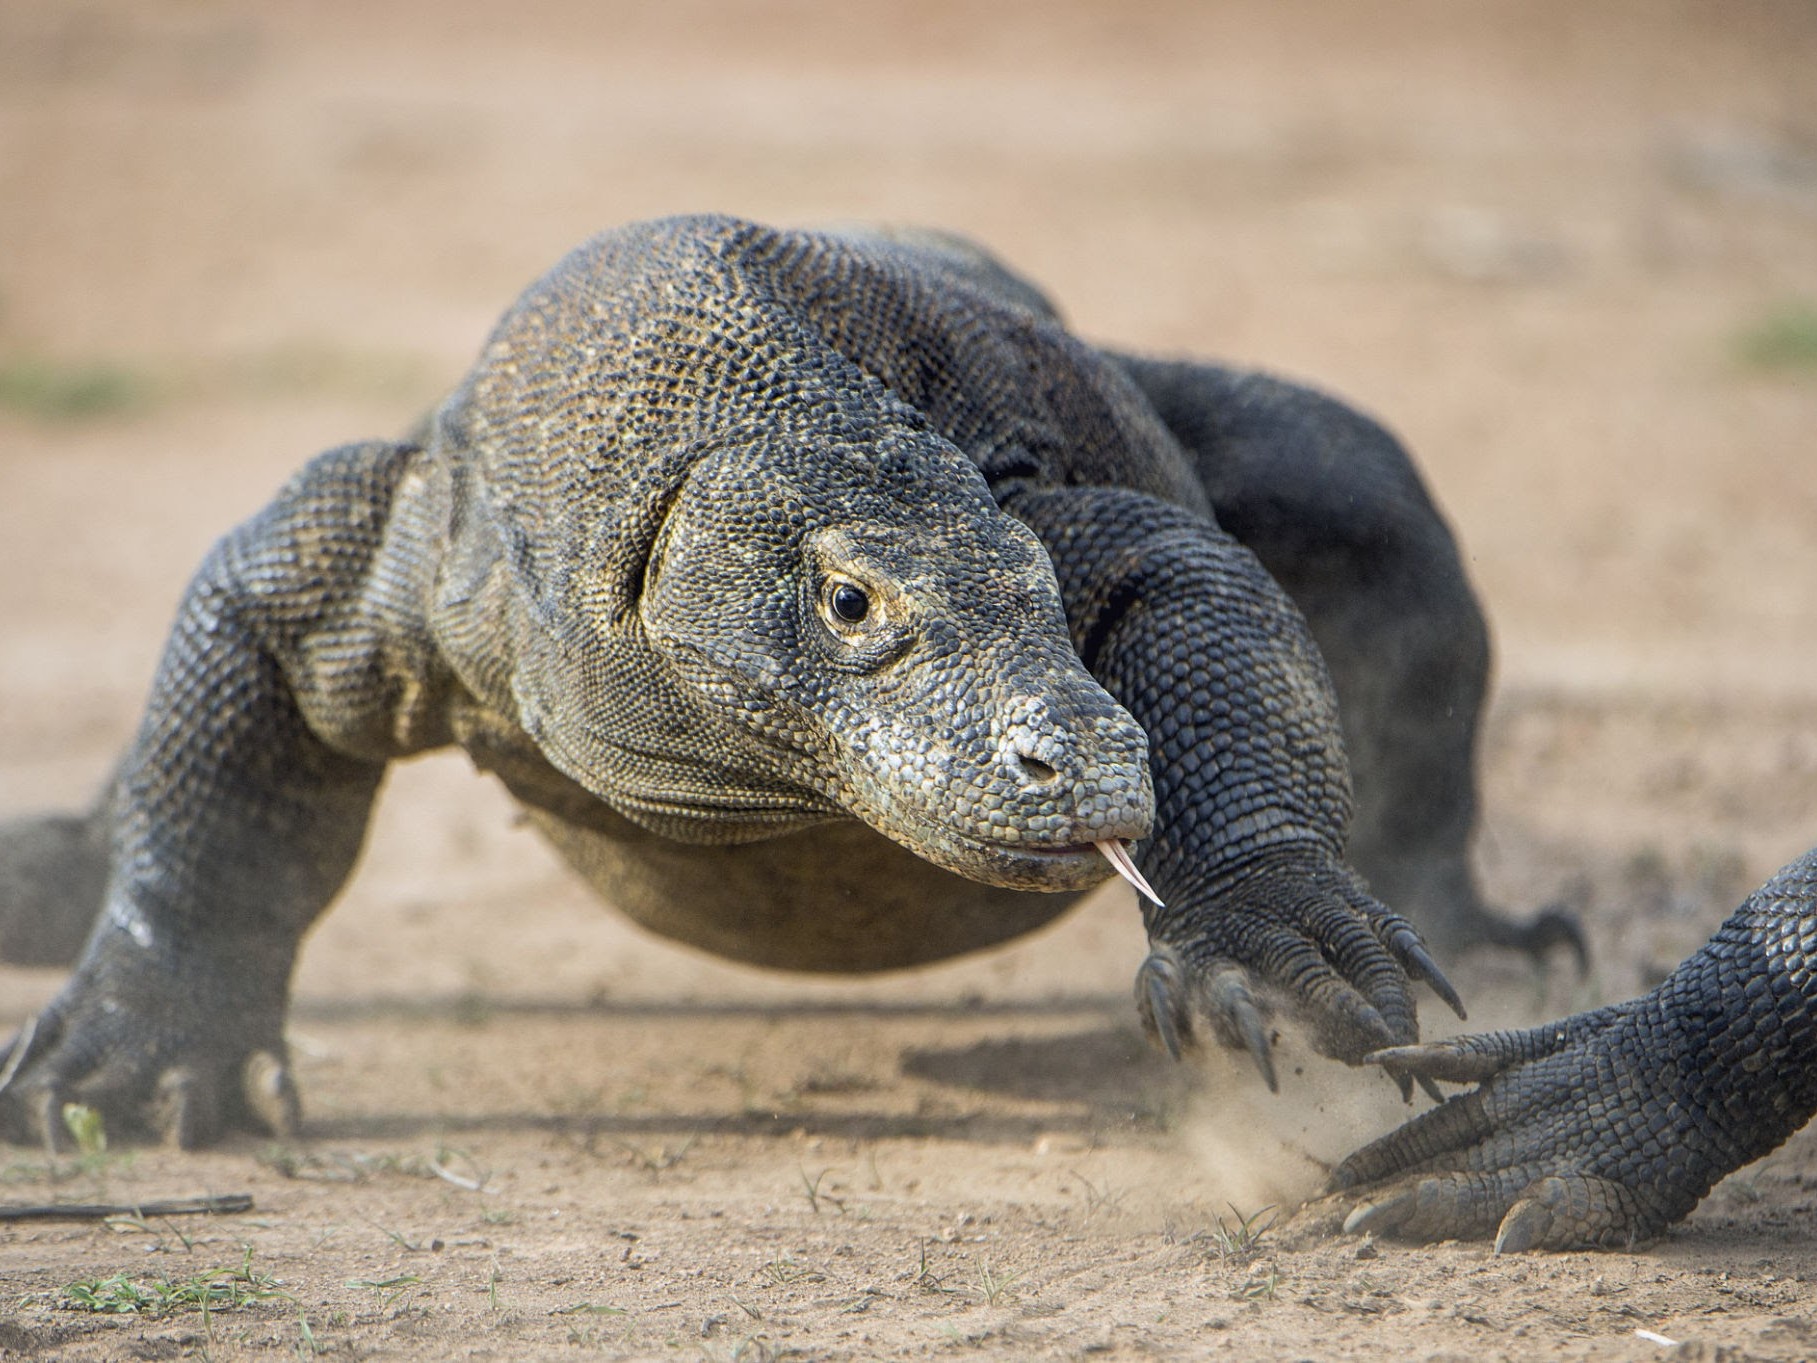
[895, 642]
[756, 590]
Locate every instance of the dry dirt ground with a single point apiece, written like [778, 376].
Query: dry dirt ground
[1568, 250]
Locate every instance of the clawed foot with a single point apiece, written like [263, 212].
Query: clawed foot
[1544, 1155]
[1521, 1213]
[1317, 942]
[181, 1059]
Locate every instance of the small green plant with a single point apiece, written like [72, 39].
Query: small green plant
[385, 1284]
[926, 1279]
[128, 1223]
[1240, 1242]
[307, 1344]
[782, 1270]
[402, 1241]
[391, 1288]
[816, 1195]
[993, 1285]
[216, 1289]
[1261, 1287]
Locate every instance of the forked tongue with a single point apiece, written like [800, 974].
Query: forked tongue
[1118, 857]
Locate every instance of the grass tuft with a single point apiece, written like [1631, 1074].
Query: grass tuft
[215, 1289]
[1241, 1241]
[994, 1286]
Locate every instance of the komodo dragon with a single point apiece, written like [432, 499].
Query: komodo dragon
[830, 607]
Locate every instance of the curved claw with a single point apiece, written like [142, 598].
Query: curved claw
[1161, 1002]
[1454, 1060]
[1384, 1217]
[1441, 1207]
[1402, 1081]
[1527, 1226]
[270, 1094]
[184, 1111]
[1423, 967]
[1225, 1000]
[1575, 1211]
[1229, 1000]
[1403, 940]
[1478, 1057]
[18, 1052]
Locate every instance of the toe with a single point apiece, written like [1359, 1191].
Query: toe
[270, 1094]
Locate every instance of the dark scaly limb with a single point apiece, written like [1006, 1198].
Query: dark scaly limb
[1332, 505]
[1604, 1128]
[234, 821]
[1183, 627]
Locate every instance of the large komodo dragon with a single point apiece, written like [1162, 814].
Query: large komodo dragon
[830, 607]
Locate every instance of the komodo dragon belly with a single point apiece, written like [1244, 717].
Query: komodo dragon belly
[837, 897]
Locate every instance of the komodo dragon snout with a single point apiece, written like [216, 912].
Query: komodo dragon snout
[897, 644]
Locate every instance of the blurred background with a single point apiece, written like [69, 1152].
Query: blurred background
[1567, 250]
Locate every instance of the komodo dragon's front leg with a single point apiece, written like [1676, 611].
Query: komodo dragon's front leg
[1182, 625]
[236, 815]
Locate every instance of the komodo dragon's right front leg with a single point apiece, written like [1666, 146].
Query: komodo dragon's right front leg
[1252, 799]
[292, 674]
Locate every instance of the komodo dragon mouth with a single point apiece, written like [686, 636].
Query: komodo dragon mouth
[1112, 850]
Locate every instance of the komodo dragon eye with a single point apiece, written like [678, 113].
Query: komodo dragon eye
[849, 602]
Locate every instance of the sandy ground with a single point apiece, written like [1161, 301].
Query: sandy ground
[1542, 240]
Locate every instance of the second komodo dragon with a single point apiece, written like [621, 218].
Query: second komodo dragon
[830, 607]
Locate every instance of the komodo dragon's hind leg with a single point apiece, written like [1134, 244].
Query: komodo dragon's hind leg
[53, 877]
[1333, 507]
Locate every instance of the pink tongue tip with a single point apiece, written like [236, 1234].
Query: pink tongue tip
[1118, 857]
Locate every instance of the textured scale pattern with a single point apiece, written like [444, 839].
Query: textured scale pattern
[620, 568]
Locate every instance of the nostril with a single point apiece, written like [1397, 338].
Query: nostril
[1036, 769]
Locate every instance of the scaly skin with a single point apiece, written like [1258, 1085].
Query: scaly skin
[1335, 511]
[821, 599]
[1603, 1129]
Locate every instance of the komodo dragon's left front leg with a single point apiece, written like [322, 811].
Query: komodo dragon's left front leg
[291, 675]
[1183, 626]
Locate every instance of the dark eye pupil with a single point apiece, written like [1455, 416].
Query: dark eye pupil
[850, 603]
